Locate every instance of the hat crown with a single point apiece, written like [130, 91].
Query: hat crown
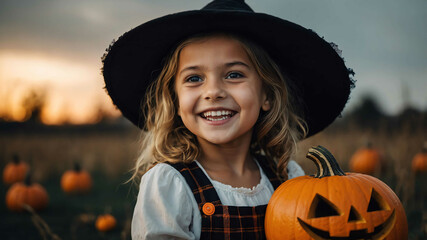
[228, 5]
[321, 90]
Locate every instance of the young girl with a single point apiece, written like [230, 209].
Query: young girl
[223, 95]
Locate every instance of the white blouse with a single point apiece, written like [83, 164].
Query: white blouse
[166, 208]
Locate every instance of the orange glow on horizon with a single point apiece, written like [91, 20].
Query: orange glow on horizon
[72, 91]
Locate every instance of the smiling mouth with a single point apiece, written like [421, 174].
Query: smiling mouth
[379, 232]
[217, 115]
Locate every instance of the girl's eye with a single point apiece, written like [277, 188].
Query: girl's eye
[234, 75]
[194, 79]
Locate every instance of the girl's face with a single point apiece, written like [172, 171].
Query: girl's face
[219, 92]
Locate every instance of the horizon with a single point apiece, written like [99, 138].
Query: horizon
[54, 49]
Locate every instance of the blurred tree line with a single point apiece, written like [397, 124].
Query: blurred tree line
[34, 103]
[368, 115]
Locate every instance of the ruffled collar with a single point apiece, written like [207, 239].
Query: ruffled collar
[241, 190]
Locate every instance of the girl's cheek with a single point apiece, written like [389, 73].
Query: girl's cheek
[186, 101]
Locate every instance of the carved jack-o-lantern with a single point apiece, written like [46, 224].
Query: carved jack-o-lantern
[334, 205]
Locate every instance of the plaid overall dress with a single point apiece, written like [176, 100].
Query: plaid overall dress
[225, 222]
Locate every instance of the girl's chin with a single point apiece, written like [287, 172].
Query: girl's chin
[217, 139]
[224, 138]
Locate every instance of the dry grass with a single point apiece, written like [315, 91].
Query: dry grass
[43, 228]
[51, 154]
[113, 154]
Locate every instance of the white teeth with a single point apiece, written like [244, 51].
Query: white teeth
[217, 113]
[217, 119]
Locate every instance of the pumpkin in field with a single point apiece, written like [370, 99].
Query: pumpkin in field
[15, 171]
[365, 160]
[76, 181]
[334, 205]
[105, 222]
[32, 194]
[419, 162]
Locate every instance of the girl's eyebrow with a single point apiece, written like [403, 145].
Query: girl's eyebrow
[188, 69]
[230, 64]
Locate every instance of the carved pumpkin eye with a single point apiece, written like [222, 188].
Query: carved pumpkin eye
[377, 203]
[355, 216]
[322, 207]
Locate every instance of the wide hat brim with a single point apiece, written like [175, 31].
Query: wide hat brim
[319, 76]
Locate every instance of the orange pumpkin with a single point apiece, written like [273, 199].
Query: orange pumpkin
[76, 181]
[15, 171]
[334, 205]
[32, 194]
[366, 160]
[419, 162]
[105, 222]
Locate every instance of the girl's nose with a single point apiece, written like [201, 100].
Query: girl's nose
[214, 90]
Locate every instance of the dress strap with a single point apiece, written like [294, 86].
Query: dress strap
[198, 182]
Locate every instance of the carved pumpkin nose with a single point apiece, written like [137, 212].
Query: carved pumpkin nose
[355, 216]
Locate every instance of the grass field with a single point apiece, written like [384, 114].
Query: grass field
[109, 155]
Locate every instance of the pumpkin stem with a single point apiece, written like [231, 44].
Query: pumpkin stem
[28, 180]
[77, 167]
[15, 159]
[108, 210]
[424, 149]
[325, 162]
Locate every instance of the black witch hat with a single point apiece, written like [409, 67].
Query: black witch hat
[315, 69]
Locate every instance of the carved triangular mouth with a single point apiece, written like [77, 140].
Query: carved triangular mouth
[380, 231]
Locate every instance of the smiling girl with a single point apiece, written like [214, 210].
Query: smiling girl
[223, 95]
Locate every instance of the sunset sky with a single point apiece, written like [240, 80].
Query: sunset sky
[55, 47]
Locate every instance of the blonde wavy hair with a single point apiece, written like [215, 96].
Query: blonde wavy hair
[166, 139]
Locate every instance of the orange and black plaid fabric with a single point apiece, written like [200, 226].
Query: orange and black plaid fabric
[225, 222]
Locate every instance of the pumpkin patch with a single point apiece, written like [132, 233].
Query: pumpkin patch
[419, 162]
[21, 193]
[365, 160]
[15, 171]
[105, 222]
[334, 205]
[76, 181]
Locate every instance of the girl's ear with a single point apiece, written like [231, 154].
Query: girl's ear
[266, 105]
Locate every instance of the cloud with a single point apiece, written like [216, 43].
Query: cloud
[74, 27]
[383, 40]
